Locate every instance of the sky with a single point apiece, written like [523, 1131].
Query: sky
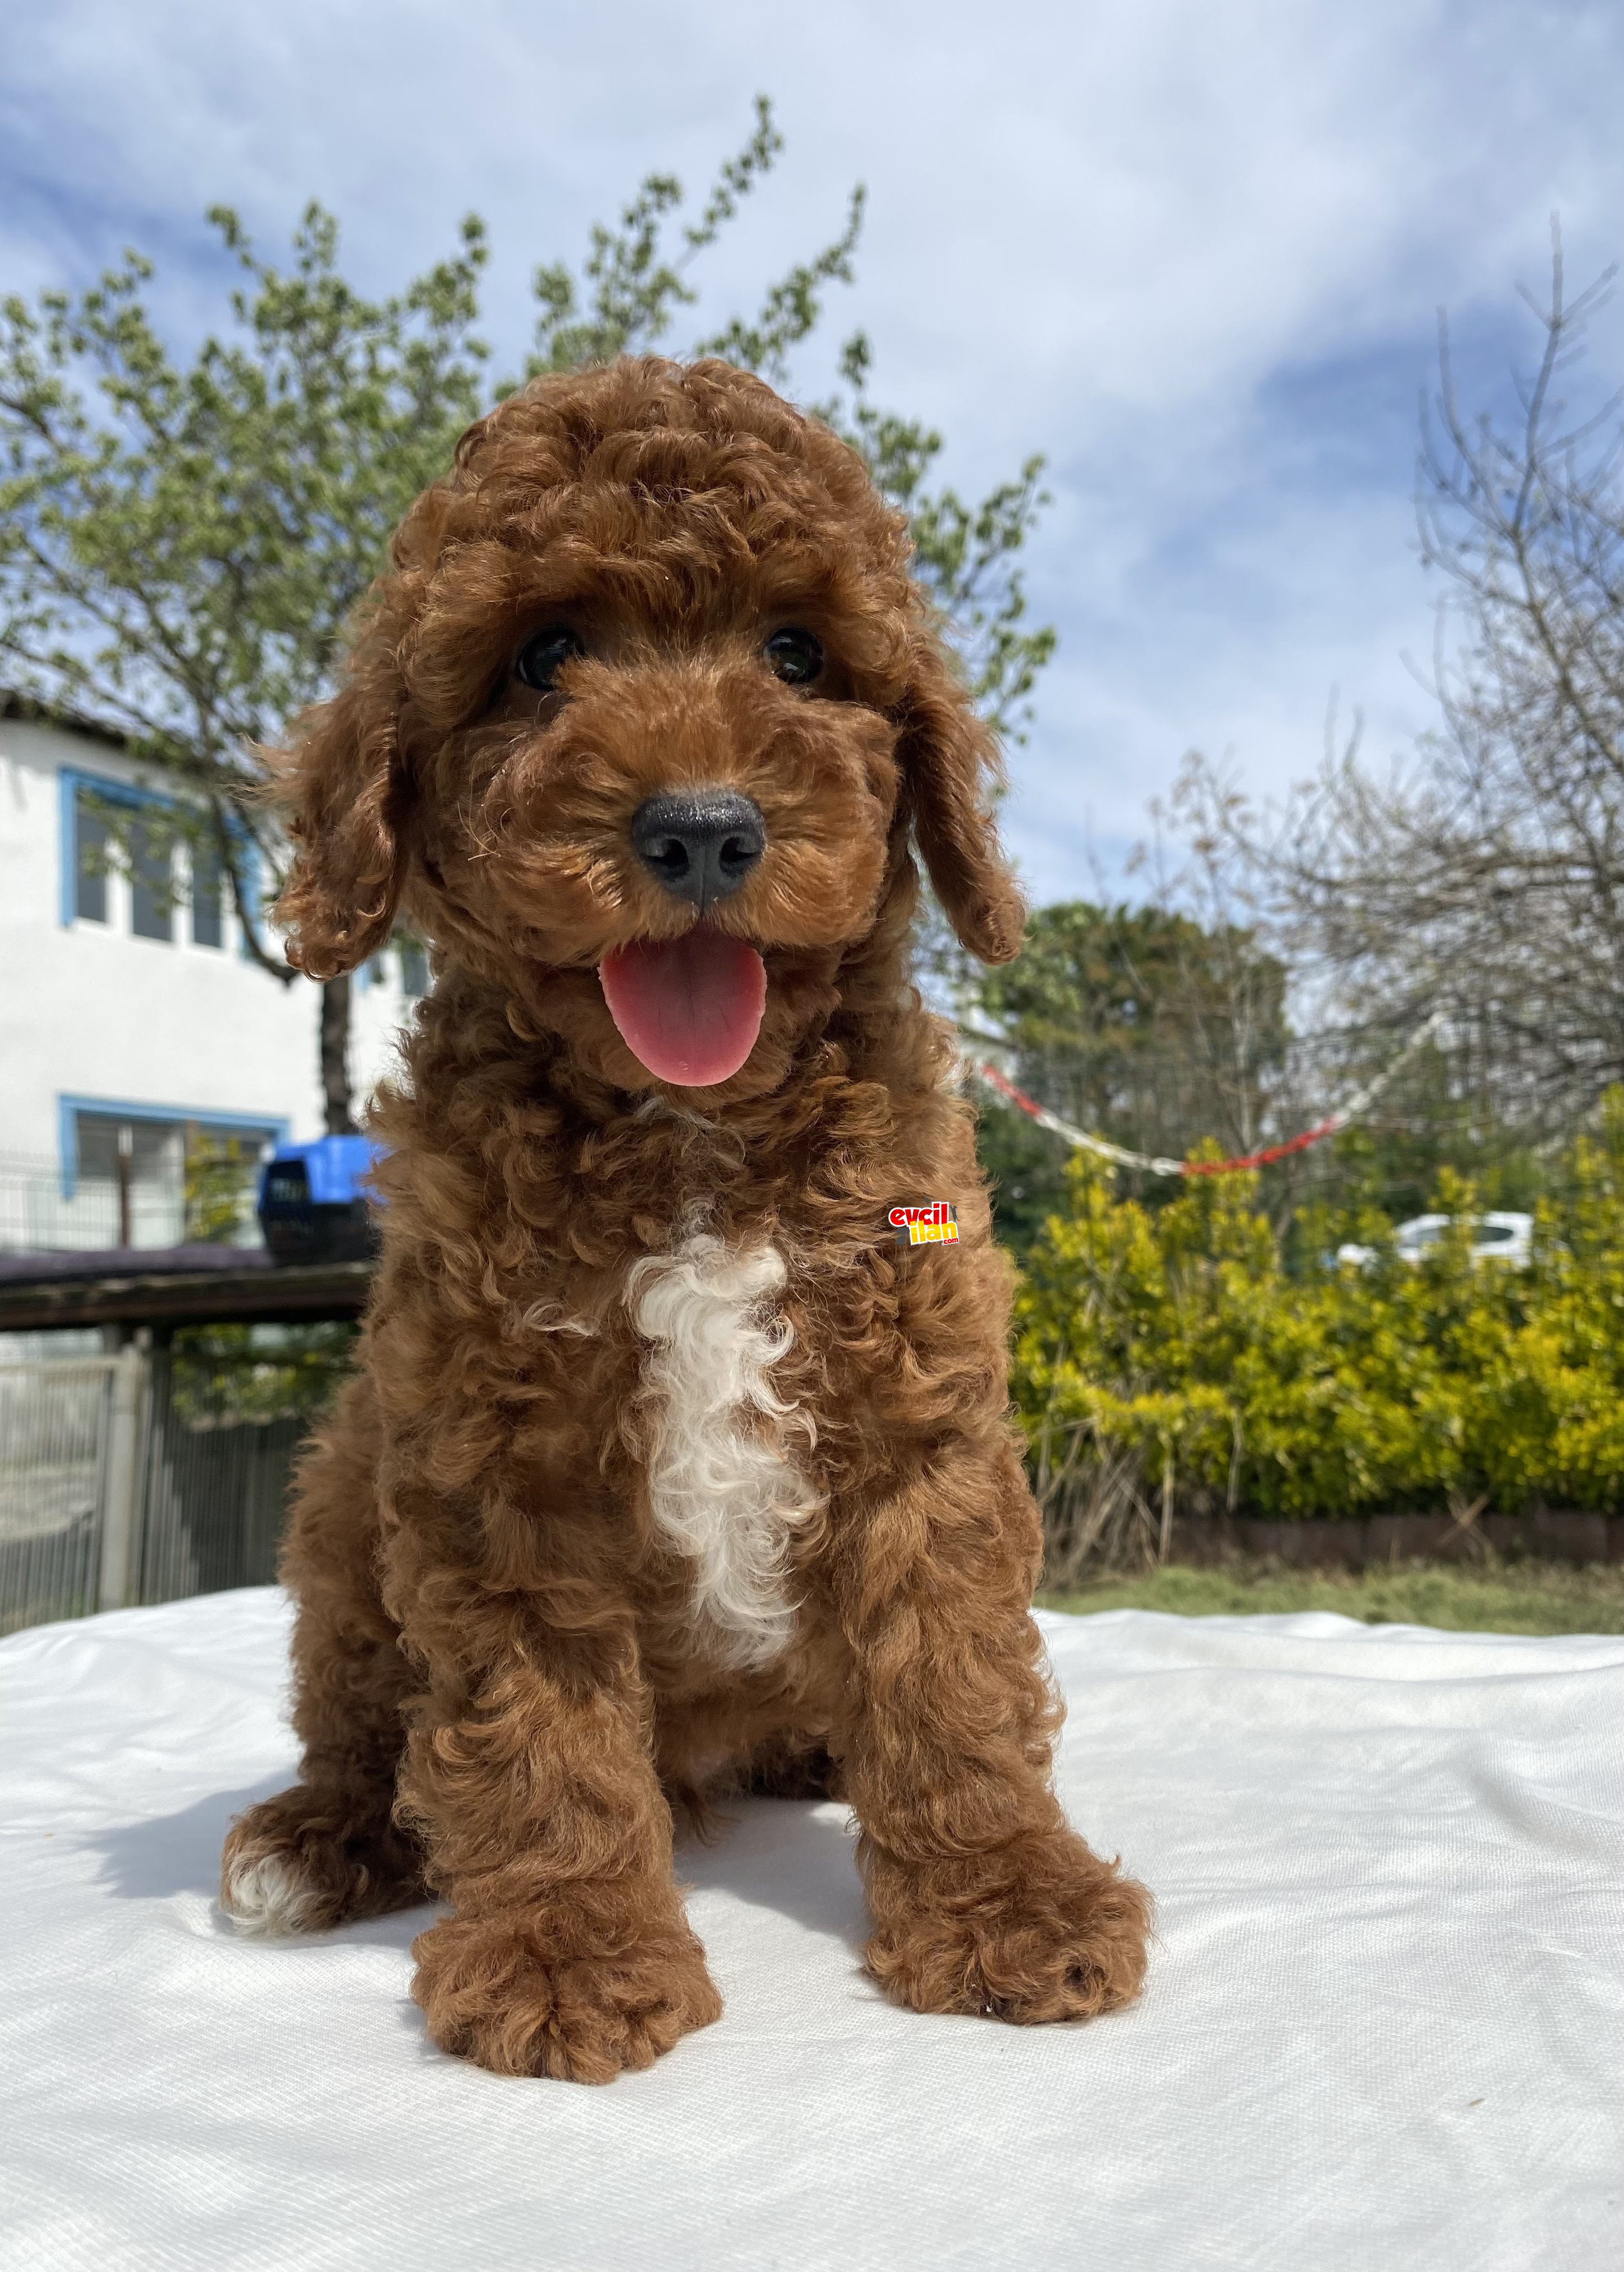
[1193, 254]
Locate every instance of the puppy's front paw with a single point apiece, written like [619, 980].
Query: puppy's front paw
[311, 1858]
[515, 1994]
[1042, 1930]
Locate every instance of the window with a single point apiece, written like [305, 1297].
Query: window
[154, 1142]
[207, 897]
[147, 1177]
[152, 881]
[125, 830]
[153, 1148]
[90, 866]
[413, 966]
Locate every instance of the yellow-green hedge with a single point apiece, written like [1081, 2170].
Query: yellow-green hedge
[1176, 1339]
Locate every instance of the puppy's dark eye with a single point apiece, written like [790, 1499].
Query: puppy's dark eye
[794, 655]
[544, 655]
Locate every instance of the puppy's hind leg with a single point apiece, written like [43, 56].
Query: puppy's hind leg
[328, 1849]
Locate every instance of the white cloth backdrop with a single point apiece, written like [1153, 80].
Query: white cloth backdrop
[1384, 2026]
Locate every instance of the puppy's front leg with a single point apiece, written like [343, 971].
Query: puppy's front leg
[983, 1900]
[566, 1952]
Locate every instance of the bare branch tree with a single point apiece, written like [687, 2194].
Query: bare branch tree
[1488, 877]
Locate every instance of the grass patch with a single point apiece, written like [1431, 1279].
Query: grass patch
[1515, 1597]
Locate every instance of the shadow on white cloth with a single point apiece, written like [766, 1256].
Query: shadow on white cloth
[795, 1860]
[1384, 2025]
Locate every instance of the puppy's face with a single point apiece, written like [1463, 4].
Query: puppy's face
[638, 729]
[659, 792]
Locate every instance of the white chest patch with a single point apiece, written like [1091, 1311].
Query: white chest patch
[721, 1486]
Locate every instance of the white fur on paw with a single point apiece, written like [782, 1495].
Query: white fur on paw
[265, 1899]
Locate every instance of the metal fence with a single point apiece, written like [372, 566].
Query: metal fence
[56, 1446]
[142, 1476]
[139, 1200]
[41, 1213]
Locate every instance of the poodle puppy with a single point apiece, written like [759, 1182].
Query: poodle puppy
[667, 1469]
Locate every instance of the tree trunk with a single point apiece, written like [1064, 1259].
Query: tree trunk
[335, 1056]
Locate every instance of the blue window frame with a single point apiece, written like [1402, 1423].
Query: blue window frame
[83, 826]
[99, 1111]
[154, 899]
[251, 883]
[208, 915]
[85, 865]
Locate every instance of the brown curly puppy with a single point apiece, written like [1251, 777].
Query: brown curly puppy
[668, 1468]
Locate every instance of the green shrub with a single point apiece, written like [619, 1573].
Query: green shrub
[219, 1181]
[1168, 1360]
[222, 1376]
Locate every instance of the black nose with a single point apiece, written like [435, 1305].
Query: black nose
[700, 843]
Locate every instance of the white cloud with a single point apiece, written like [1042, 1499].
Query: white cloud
[1191, 252]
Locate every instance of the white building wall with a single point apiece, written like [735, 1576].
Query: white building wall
[90, 1012]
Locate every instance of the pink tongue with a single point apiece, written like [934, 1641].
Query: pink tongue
[689, 1009]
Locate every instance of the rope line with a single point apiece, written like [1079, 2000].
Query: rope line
[1360, 1102]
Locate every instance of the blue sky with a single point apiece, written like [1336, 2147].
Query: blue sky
[1193, 254]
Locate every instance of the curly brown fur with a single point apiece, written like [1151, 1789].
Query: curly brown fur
[508, 1672]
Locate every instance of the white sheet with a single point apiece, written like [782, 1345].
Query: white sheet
[1384, 2026]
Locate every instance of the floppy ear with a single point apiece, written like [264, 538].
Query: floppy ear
[342, 787]
[950, 764]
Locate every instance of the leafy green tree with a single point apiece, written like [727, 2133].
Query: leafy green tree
[625, 301]
[181, 543]
[1144, 1024]
[1025, 1166]
[180, 547]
